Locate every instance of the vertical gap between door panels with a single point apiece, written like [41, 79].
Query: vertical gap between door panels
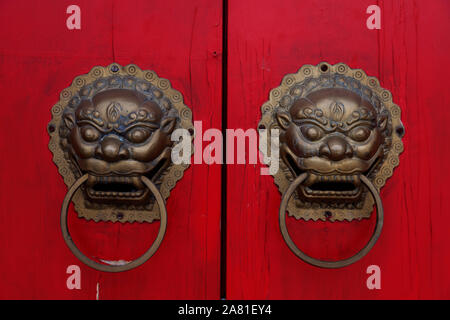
[223, 201]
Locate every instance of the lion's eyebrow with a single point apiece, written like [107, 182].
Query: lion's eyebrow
[139, 123]
[368, 123]
[313, 121]
[342, 128]
[149, 122]
[93, 123]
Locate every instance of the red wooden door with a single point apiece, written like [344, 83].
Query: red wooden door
[409, 55]
[39, 56]
[182, 41]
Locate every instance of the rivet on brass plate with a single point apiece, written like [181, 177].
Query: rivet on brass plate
[341, 133]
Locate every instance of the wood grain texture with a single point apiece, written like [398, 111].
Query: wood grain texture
[409, 56]
[180, 41]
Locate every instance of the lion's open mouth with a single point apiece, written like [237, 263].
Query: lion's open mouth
[329, 187]
[345, 187]
[118, 188]
[115, 187]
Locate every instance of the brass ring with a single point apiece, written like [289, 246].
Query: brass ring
[113, 268]
[323, 263]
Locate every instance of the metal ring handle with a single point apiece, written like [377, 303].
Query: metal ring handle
[111, 268]
[323, 263]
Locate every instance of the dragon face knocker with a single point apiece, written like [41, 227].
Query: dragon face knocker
[111, 140]
[340, 141]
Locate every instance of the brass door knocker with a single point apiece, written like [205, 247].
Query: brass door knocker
[340, 139]
[111, 140]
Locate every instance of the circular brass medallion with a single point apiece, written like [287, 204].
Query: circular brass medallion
[115, 125]
[336, 124]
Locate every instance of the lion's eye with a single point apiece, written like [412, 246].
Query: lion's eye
[312, 132]
[89, 133]
[360, 134]
[138, 135]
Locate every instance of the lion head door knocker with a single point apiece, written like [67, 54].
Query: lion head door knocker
[111, 140]
[340, 140]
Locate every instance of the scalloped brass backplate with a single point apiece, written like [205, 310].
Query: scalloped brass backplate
[336, 123]
[114, 124]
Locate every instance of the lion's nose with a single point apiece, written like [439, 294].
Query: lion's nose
[112, 149]
[335, 148]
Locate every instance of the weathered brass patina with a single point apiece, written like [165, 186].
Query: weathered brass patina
[339, 128]
[111, 130]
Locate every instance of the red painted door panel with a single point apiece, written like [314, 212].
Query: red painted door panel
[39, 56]
[182, 41]
[409, 55]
